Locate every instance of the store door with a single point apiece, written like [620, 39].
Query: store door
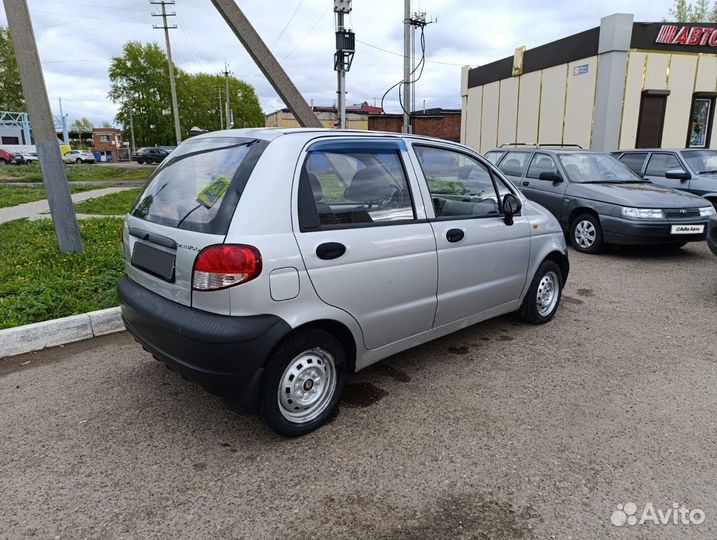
[651, 121]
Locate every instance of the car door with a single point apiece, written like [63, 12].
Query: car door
[364, 237]
[513, 166]
[544, 184]
[661, 162]
[482, 261]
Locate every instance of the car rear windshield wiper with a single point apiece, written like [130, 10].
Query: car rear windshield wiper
[714, 171]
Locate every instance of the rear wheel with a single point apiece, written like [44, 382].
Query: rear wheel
[586, 233]
[303, 382]
[139, 161]
[3, 162]
[543, 297]
[78, 161]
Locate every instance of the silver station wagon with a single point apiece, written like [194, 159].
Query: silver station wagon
[267, 265]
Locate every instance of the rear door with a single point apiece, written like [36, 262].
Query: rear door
[482, 262]
[364, 237]
[513, 166]
[538, 187]
[187, 206]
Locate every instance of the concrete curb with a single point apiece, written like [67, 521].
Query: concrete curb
[33, 337]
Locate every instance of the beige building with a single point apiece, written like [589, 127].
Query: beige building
[620, 85]
[355, 119]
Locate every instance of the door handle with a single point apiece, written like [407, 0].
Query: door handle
[526, 183]
[330, 250]
[455, 235]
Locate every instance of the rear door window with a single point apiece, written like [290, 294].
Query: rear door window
[513, 164]
[634, 160]
[198, 188]
[354, 183]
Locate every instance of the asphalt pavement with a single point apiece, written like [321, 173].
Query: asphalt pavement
[504, 430]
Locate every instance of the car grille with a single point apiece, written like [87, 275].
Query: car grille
[679, 213]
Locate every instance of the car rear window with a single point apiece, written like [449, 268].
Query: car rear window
[199, 186]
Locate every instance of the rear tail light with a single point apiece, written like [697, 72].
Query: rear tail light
[225, 265]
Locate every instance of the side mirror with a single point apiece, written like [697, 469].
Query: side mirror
[550, 176]
[677, 174]
[511, 206]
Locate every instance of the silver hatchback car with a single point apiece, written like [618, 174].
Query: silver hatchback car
[267, 265]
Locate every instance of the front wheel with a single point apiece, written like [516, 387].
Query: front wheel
[303, 382]
[543, 297]
[586, 234]
[78, 161]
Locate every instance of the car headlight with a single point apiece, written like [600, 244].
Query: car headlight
[708, 211]
[643, 213]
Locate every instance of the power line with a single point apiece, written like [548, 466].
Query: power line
[404, 56]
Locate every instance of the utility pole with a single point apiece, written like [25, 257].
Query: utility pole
[407, 128]
[131, 129]
[172, 83]
[345, 47]
[221, 116]
[65, 128]
[228, 115]
[266, 62]
[43, 127]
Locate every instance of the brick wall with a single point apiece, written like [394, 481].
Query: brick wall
[443, 127]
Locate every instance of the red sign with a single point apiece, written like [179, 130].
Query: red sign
[672, 34]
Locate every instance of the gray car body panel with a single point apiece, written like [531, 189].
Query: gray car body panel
[395, 297]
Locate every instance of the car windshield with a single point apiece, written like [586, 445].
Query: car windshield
[701, 161]
[591, 167]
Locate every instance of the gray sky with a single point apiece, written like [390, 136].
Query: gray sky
[77, 39]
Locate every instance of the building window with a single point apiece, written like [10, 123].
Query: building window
[104, 138]
[700, 122]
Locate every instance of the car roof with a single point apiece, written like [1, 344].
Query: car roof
[269, 134]
[548, 149]
[662, 149]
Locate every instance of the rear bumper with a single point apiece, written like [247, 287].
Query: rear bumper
[226, 355]
[629, 231]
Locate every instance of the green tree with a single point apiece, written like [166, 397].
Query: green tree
[140, 86]
[699, 11]
[106, 124]
[11, 97]
[81, 125]
[139, 83]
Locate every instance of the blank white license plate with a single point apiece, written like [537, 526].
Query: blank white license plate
[687, 229]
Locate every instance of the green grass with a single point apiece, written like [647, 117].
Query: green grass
[39, 283]
[116, 204]
[11, 196]
[75, 173]
[331, 186]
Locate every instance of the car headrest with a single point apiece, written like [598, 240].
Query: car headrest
[369, 185]
[316, 187]
[545, 164]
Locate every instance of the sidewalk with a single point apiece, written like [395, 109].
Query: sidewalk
[35, 210]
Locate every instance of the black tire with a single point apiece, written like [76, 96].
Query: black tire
[2, 162]
[529, 310]
[78, 161]
[586, 244]
[318, 346]
[140, 162]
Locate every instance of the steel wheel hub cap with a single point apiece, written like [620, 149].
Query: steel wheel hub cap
[548, 292]
[307, 386]
[585, 234]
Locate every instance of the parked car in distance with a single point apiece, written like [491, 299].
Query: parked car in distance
[599, 200]
[712, 234]
[25, 158]
[691, 169]
[269, 264]
[6, 158]
[149, 155]
[78, 156]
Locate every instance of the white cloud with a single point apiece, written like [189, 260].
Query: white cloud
[77, 39]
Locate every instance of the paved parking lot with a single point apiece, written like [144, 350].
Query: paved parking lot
[501, 431]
